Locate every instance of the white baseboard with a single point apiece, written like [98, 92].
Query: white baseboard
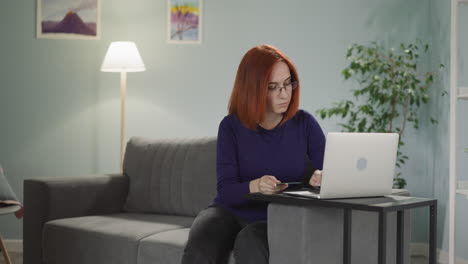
[14, 245]
[419, 249]
[422, 249]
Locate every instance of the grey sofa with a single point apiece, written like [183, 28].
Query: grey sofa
[144, 216]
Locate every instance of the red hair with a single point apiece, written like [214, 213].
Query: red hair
[249, 94]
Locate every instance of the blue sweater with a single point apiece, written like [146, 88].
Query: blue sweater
[244, 155]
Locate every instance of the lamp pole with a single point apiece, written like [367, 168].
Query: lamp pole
[123, 91]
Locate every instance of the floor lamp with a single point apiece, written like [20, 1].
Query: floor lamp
[123, 57]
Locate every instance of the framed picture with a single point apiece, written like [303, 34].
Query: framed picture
[184, 21]
[68, 19]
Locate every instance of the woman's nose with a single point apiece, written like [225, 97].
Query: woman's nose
[283, 92]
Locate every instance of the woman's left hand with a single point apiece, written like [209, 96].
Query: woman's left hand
[316, 178]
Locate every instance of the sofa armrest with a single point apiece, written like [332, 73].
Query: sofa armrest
[50, 198]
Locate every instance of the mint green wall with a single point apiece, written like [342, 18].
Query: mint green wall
[440, 28]
[60, 114]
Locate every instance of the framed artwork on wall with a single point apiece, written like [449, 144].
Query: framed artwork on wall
[68, 19]
[184, 21]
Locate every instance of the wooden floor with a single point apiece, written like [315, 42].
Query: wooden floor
[419, 260]
[17, 258]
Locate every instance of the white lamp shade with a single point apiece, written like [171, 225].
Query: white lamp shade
[122, 56]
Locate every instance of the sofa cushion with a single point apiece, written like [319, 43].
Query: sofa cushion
[165, 247]
[103, 239]
[170, 176]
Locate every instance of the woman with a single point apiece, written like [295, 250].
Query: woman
[261, 143]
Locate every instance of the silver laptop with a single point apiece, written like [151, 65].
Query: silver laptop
[356, 165]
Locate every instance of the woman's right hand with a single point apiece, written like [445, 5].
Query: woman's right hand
[267, 184]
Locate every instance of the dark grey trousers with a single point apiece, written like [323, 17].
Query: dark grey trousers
[215, 232]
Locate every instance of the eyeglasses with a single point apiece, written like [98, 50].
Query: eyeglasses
[275, 89]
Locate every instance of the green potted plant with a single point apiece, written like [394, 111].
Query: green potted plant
[389, 93]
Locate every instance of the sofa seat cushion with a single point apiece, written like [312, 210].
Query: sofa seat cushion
[105, 238]
[165, 247]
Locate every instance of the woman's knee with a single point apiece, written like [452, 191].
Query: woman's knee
[208, 246]
[205, 252]
[252, 241]
[211, 236]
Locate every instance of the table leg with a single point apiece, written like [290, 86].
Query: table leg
[382, 257]
[400, 235]
[433, 234]
[347, 236]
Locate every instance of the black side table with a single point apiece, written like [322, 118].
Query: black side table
[382, 205]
